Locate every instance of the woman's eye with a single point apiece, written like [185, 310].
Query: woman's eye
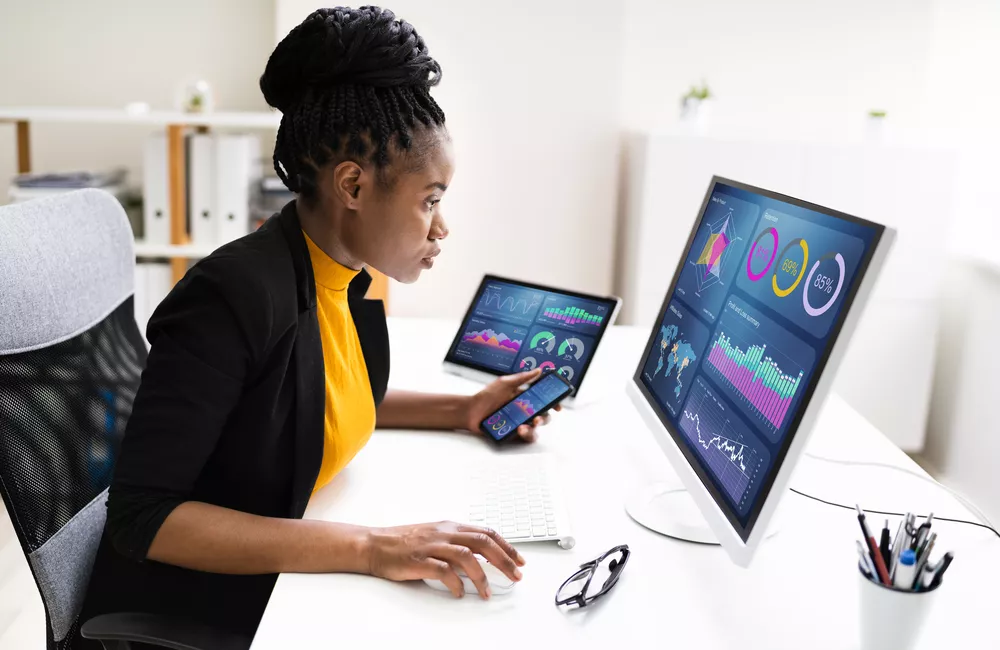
[432, 202]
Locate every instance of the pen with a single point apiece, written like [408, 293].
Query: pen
[924, 548]
[939, 573]
[922, 557]
[923, 531]
[883, 545]
[865, 562]
[897, 543]
[883, 573]
[907, 527]
[926, 576]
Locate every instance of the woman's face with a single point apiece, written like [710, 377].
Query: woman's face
[397, 224]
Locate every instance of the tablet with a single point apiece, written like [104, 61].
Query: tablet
[513, 326]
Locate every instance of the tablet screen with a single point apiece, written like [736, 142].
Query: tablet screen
[512, 326]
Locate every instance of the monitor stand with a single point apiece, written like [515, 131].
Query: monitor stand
[668, 509]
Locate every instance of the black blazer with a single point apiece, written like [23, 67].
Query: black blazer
[230, 411]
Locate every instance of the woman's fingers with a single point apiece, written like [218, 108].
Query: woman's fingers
[462, 559]
[488, 547]
[527, 433]
[441, 570]
[506, 546]
[541, 420]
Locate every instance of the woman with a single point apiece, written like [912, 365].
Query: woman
[268, 370]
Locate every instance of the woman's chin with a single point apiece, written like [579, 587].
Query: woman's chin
[407, 277]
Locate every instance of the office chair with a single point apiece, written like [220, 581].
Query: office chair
[70, 362]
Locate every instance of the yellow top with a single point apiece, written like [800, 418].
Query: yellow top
[350, 408]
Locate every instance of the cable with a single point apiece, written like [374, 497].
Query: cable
[988, 525]
[961, 498]
[895, 514]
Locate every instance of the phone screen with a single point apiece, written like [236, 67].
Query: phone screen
[542, 395]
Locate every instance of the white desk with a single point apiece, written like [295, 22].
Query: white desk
[800, 592]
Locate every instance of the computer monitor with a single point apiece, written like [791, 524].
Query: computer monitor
[743, 352]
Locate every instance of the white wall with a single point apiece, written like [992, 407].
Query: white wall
[107, 53]
[776, 63]
[962, 93]
[531, 94]
[963, 440]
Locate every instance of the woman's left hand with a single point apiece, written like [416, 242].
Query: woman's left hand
[499, 392]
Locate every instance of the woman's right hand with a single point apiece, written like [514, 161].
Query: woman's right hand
[438, 551]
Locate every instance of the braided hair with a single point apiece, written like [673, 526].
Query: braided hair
[352, 83]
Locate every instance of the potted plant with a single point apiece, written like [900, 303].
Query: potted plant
[696, 105]
[876, 124]
[195, 96]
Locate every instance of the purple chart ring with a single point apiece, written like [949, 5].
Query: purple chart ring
[774, 251]
[819, 311]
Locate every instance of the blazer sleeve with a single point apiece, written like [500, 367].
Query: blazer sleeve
[205, 339]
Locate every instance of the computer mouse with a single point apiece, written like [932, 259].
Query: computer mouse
[499, 583]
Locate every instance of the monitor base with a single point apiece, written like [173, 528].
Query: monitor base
[669, 510]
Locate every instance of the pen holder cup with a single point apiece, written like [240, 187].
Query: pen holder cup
[892, 618]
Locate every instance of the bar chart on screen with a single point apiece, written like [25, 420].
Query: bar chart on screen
[761, 365]
[573, 313]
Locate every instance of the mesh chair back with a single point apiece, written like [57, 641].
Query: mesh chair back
[70, 361]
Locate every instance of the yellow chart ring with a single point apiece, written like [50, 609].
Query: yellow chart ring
[781, 293]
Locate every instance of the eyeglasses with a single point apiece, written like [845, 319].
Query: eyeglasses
[577, 589]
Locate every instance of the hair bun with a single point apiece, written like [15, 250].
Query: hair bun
[367, 46]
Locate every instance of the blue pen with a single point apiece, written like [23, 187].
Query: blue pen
[906, 571]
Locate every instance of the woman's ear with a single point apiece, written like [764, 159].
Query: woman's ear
[348, 180]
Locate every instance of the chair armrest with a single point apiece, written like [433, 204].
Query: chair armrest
[163, 631]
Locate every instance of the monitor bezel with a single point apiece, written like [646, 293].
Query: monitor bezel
[740, 540]
[450, 360]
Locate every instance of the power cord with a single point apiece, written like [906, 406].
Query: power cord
[988, 525]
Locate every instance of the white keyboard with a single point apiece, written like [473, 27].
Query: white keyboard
[519, 497]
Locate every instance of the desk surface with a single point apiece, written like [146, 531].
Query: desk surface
[800, 592]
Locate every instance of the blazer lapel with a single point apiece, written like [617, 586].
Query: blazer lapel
[310, 375]
[369, 321]
[310, 402]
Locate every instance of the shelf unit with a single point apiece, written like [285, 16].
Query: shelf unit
[180, 250]
[183, 251]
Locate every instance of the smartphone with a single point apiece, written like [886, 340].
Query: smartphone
[546, 391]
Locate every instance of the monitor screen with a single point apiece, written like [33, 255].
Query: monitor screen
[745, 331]
[513, 326]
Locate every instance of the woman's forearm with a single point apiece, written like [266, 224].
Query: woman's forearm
[211, 538]
[403, 409]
